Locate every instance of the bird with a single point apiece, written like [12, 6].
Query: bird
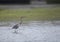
[16, 26]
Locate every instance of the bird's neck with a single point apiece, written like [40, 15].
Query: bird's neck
[21, 21]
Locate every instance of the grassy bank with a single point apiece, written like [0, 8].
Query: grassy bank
[30, 14]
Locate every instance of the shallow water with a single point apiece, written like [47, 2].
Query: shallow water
[33, 31]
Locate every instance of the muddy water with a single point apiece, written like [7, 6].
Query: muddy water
[33, 31]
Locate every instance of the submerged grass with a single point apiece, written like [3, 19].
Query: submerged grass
[30, 14]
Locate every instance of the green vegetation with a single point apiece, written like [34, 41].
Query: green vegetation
[53, 1]
[30, 14]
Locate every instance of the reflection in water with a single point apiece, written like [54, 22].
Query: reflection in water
[33, 31]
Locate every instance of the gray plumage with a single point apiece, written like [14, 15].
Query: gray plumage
[15, 26]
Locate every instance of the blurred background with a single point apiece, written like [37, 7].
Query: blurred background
[40, 22]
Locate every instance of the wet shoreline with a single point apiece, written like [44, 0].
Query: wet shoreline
[10, 23]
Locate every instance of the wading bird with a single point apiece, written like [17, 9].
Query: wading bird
[16, 26]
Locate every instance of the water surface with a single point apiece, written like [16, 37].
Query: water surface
[33, 31]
